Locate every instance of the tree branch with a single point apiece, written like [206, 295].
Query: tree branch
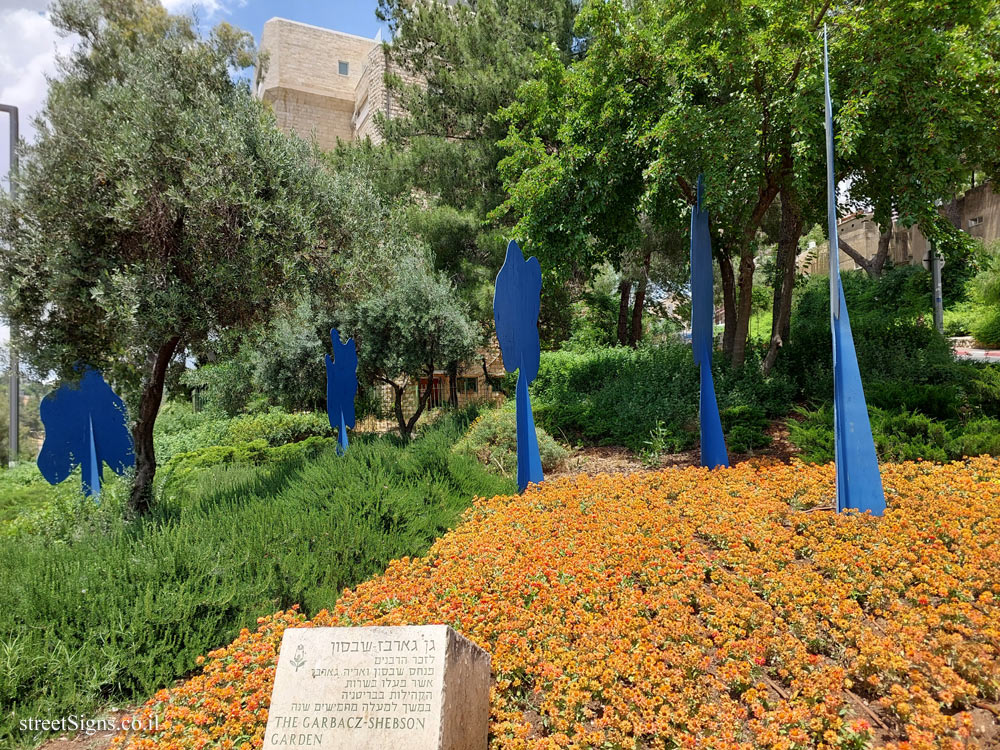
[855, 255]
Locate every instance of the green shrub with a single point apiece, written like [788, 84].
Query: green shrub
[986, 329]
[619, 396]
[893, 335]
[277, 427]
[961, 319]
[274, 427]
[23, 490]
[937, 401]
[899, 436]
[256, 453]
[745, 428]
[982, 387]
[114, 610]
[492, 438]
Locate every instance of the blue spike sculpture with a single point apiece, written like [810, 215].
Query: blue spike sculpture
[516, 304]
[713, 443]
[859, 484]
[341, 387]
[86, 426]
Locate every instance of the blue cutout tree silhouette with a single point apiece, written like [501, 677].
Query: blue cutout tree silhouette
[713, 442]
[86, 425]
[859, 484]
[516, 303]
[341, 387]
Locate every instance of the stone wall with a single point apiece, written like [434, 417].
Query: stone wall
[303, 82]
[977, 212]
[372, 97]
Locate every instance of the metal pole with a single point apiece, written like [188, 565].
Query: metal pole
[938, 294]
[15, 383]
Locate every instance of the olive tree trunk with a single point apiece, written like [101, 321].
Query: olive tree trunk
[141, 498]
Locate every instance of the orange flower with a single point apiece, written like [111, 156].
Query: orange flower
[702, 609]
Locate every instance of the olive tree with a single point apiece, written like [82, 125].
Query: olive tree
[159, 206]
[413, 326]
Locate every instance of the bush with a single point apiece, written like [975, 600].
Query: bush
[274, 428]
[937, 401]
[899, 436]
[114, 610]
[492, 438]
[256, 452]
[986, 329]
[745, 428]
[621, 396]
[894, 338]
[23, 490]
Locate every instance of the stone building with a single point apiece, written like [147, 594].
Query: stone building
[976, 212]
[323, 83]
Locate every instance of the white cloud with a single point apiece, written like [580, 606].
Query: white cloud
[203, 10]
[28, 55]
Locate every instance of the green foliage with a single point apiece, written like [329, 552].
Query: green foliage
[472, 58]
[620, 396]
[986, 330]
[899, 436]
[409, 328]
[745, 428]
[23, 490]
[256, 452]
[894, 339]
[492, 438]
[95, 609]
[960, 319]
[272, 428]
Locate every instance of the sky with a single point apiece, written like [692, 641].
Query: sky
[29, 45]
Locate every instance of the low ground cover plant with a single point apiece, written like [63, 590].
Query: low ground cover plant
[94, 608]
[180, 430]
[899, 435]
[685, 608]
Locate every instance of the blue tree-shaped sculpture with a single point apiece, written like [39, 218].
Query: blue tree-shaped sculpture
[341, 387]
[859, 484]
[516, 304]
[86, 426]
[713, 442]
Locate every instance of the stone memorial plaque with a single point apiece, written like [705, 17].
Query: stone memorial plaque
[421, 687]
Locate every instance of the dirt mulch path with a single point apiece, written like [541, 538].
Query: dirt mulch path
[617, 460]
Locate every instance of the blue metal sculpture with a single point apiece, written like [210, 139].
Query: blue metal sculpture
[341, 387]
[713, 443]
[516, 304]
[859, 484]
[86, 426]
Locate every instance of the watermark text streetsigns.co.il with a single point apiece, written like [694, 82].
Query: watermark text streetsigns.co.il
[90, 725]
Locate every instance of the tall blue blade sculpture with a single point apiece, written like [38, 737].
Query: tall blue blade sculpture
[85, 425]
[713, 443]
[859, 484]
[341, 387]
[516, 303]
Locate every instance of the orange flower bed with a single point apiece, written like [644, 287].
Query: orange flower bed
[685, 608]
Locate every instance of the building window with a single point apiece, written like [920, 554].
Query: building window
[976, 221]
[343, 68]
[469, 385]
